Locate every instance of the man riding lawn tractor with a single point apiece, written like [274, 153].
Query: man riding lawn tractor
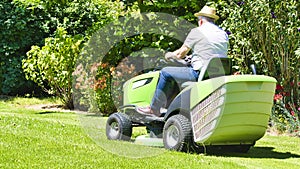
[204, 105]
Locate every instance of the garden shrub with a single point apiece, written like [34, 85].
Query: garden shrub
[14, 82]
[52, 65]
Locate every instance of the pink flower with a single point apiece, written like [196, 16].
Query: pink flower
[299, 108]
[277, 97]
[77, 86]
[237, 73]
[292, 113]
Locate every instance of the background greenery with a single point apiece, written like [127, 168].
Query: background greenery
[36, 35]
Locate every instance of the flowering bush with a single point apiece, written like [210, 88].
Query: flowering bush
[102, 93]
[102, 87]
[285, 117]
[120, 74]
[93, 93]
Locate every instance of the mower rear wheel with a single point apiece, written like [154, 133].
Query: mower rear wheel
[177, 134]
[118, 127]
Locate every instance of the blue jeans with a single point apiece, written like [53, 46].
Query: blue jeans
[168, 79]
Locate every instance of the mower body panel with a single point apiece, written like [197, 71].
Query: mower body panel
[140, 89]
[231, 110]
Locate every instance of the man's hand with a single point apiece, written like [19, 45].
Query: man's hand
[181, 52]
[170, 55]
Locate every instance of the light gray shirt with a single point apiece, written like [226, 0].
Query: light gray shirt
[206, 41]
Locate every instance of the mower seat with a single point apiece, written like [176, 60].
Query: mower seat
[216, 67]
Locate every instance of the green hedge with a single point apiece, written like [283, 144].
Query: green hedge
[20, 28]
[24, 23]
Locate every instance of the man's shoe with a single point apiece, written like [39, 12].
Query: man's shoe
[147, 111]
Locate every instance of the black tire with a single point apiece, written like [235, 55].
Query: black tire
[177, 134]
[118, 127]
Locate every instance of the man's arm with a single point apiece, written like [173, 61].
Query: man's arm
[182, 51]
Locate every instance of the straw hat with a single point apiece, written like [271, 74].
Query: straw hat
[208, 12]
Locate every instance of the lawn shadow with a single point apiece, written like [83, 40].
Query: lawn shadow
[93, 115]
[6, 98]
[258, 152]
[48, 112]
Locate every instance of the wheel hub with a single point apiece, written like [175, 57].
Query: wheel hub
[114, 129]
[172, 136]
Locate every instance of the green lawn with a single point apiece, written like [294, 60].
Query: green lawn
[43, 139]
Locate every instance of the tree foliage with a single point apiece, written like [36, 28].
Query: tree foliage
[267, 34]
[20, 28]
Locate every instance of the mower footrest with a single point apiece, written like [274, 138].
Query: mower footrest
[152, 118]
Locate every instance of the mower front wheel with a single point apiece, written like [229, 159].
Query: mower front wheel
[118, 127]
[177, 134]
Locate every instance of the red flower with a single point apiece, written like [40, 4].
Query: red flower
[287, 94]
[277, 97]
[292, 83]
[279, 87]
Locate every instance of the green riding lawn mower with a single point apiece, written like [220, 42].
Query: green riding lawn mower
[220, 110]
